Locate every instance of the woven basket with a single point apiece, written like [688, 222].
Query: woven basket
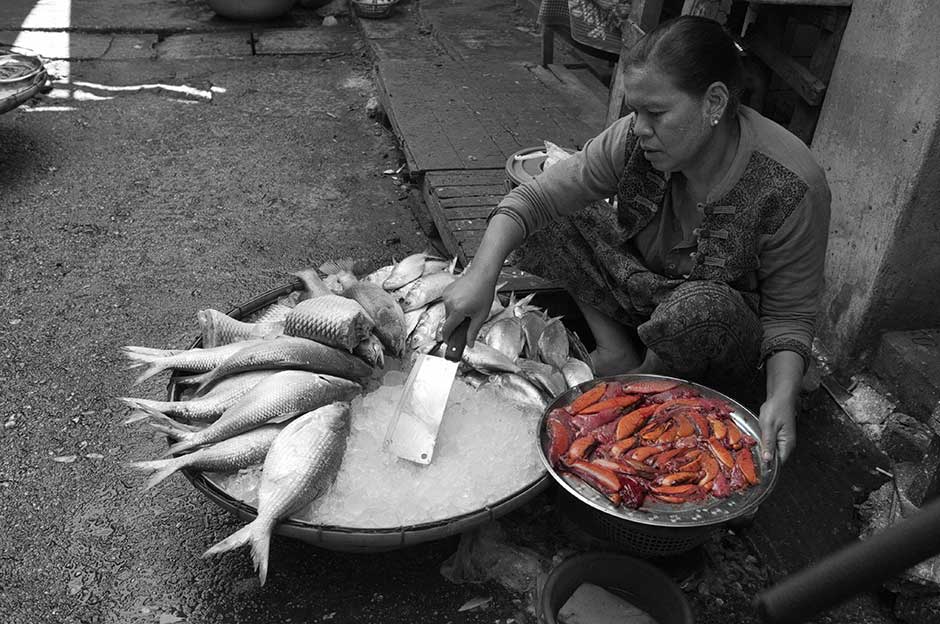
[374, 9]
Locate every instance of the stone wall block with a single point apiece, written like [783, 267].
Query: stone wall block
[906, 439]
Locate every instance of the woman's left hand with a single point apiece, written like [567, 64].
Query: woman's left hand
[778, 428]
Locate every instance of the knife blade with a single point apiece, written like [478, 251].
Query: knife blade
[412, 431]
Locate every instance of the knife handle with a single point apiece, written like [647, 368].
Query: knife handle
[457, 341]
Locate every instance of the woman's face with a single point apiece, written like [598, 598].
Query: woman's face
[672, 126]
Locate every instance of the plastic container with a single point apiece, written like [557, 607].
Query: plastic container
[640, 583]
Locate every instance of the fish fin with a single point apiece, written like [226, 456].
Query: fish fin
[161, 468]
[260, 548]
[313, 283]
[154, 362]
[239, 538]
[331, 267]
[177, 447]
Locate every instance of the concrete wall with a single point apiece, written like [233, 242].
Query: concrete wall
[877, 138]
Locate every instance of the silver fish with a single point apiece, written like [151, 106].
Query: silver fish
[275, 312]
[240, 451]
[372, 351]
[486, 359]
[300, 466]
[378, 303]
[515, 308]
[330, 319]
[427, 289]
[313, 284]
[281, 396]
[533, 323]
[411, 320]
[553, 343]
[435, 265]
[219, 328]
[379, 275]
[518, 390]
[576, 371]
[545, 376]
[505, 335]
[424, 336]
[287, 352]
[203, 408]
[407, 270]
[198, 360]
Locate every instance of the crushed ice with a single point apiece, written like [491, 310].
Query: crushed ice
[486, 451]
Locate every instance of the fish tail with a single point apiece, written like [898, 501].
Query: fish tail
[161, 468]
[332, 267]
[155, 361]
[260, 548]
[166, 425]
[184, 444]
[313, 283]
[237, 539]
[143, 409]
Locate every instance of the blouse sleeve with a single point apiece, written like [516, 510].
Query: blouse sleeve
[791, 276]
[588, 175]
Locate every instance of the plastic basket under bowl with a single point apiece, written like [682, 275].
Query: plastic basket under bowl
[354, 539]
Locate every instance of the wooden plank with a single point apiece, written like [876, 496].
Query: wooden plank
[443, 229]
[483, 201]
[476, 177]
[467, 225]
[469, 212]
[447, 192]
[475, 115]
[798, 77]
[717, 10]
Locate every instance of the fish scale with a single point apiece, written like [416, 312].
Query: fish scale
[330, 319]
[218, 328]
[279, 397]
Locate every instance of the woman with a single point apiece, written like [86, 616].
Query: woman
[710, 266]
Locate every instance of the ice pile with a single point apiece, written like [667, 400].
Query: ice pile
[487, 449]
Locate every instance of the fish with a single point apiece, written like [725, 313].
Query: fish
[533, 323]
[505, 335]
[553, 343]
[576, 371]
[407, 270]
[300, 466]
[381, 306]
[486, 359]
[275, 312]
[517, 389]
[424, 336]
[545, 376]
[435, 265]
[219, 328]
[198, 360]
[203, 408]
[331, 319]
[372, 351]
[240, 451]
[412, 318]
[426, 289]
[379, 275]
[287, 352]
[281, 396]
[312, 285]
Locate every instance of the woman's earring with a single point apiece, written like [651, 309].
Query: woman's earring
[714, 121]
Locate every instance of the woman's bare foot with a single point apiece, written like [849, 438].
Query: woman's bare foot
[609, 362]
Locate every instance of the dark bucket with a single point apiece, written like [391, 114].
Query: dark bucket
[640, 583]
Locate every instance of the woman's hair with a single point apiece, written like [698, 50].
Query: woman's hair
[695, 52]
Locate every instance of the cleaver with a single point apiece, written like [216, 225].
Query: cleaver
[412, 431]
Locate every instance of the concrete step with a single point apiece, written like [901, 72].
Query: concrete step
[909, 361]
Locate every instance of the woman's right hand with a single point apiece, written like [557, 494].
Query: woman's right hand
[469, 296]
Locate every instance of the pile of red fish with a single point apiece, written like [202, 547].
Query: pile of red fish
[656, 438]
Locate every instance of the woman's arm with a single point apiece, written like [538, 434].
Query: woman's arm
[778, 413]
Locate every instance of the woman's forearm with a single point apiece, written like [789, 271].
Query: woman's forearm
[784, 376]
[501, 237]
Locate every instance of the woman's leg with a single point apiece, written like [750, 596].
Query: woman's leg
[616, 348]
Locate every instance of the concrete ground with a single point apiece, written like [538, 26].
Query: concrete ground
[188, 162]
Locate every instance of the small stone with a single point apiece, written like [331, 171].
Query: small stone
[329, 21]
[374, 107]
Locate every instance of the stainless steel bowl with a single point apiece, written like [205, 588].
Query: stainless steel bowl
[657, 528]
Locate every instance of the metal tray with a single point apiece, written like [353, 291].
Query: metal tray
[710, 511]
[347, 539]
